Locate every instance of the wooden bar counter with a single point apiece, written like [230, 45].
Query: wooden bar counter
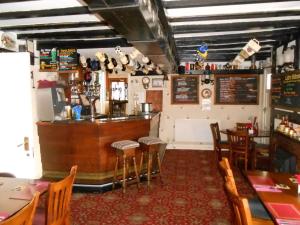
[86, 144]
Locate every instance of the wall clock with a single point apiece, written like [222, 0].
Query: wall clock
[206, 93]
[146, 81]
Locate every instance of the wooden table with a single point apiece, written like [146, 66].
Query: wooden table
[15, 193]
[263, 182]
[259, 134]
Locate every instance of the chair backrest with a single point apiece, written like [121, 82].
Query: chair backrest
[227, 173]
[238, 140]
[240, 206]
[25, 215]
[242, 126]
[59, 197]
[216, 138]
[223, 166]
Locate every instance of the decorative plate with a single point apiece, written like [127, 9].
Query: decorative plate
[206, 93]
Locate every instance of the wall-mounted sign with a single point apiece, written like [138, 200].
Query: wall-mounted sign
[68, 59]
[235, 89]
[286, 89]
[48, 59]
[185, 89]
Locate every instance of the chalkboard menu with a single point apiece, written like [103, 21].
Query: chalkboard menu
[235, 89]
[286, 89]
[68, 59]
[48, 59]
[185, 89]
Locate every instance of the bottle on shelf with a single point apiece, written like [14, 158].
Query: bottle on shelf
[207, 67]
[286, 124]
[292, 131]
[281, 126]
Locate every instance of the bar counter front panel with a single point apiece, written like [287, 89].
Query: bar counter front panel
[86, 144]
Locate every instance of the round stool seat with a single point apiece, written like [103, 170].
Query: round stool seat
[125, 144]
[150, 140]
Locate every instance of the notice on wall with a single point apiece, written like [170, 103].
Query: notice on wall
[206, 104]
[185, 89]
[48, 59]
[236, 89]
[276, 89]
[68, 59]
[291, 89]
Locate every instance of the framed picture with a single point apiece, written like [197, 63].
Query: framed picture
[157, 82]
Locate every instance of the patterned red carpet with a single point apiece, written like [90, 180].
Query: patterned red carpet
[191, 193]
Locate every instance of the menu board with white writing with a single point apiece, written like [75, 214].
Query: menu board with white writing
[185, 89]
[236, 89]
[286, 89]
[68, 59]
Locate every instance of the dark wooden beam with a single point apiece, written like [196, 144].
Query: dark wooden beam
[220, 57]
[52, 26]
[69, 35]
[82, 44]
[274, 34]
[197, 3]
[44, 13]
[227, 51]
[237, 16]
[237, 45]
[15, 1]
[222, 43]
[234, 26]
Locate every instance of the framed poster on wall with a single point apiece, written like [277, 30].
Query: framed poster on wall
[184, 89]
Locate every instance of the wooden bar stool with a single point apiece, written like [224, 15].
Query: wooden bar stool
[126, 150]
[150, 146]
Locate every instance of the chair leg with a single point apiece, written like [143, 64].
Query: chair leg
[246, 164]
[136, 172]
[141, 162]
[149, 168]
[115, 173]
[159, 166]
[124, 174]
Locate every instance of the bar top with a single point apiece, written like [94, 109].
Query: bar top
[104, 120]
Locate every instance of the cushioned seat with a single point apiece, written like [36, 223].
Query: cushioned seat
[150, 140]
[125, 144]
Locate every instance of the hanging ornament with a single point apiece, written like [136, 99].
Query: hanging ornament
[202, 51]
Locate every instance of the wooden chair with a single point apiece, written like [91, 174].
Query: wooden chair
[239, 146]
[218, 143]
[58, 202]
[25, 215]
[241, 208]
[223, 166]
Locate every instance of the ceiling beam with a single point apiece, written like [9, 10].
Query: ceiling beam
[44, 13]
[82, 44]
[197, 3]
[276, 34]
[52, 26]
[210, 46]
[234, 26]
[221, 42]
[237, 16]
[69, 35]
[220, 57]
[15, 1]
